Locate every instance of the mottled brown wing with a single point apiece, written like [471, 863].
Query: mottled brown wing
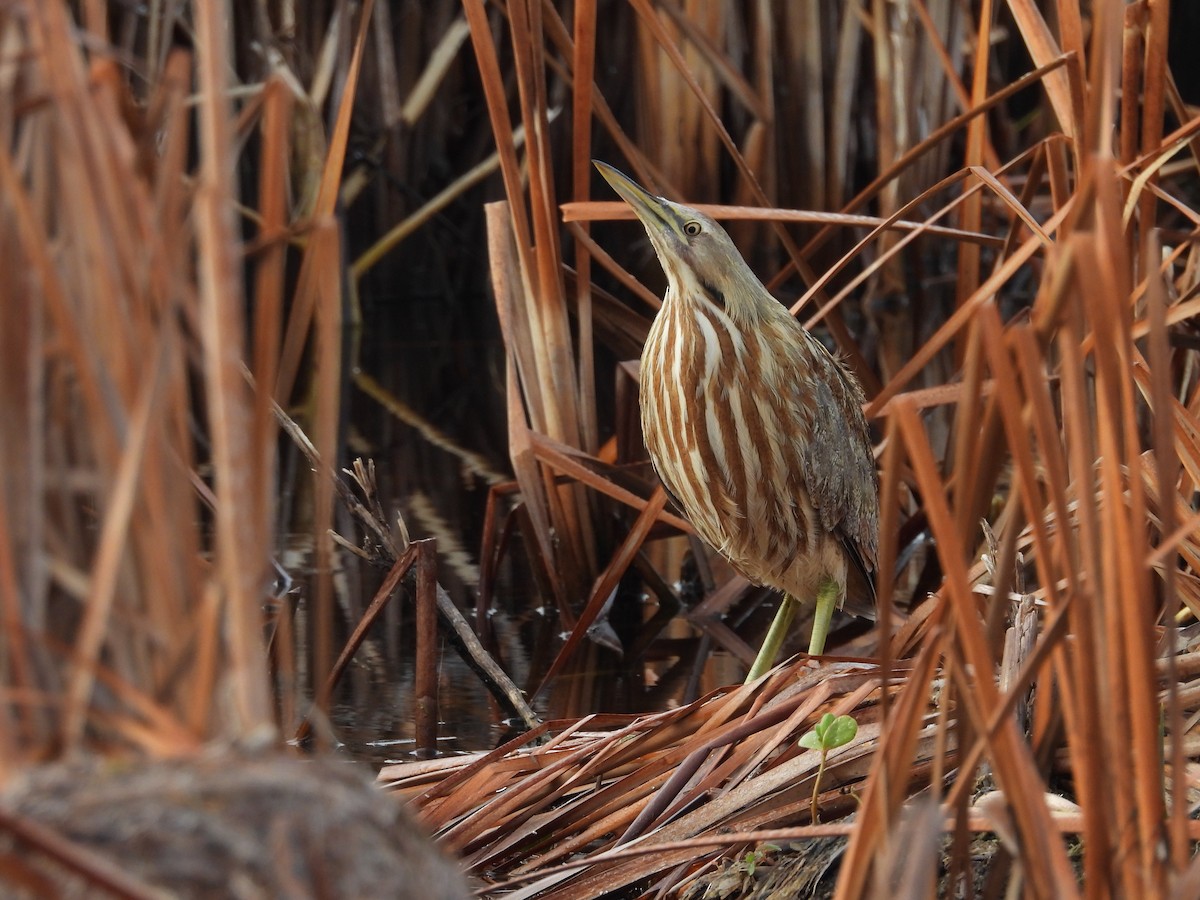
[839, 469]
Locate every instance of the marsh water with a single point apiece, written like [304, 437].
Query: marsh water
[373, 708]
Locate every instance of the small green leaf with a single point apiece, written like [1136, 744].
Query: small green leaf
[840, 732]
[830, 732]
[810, 741]
[823, 728]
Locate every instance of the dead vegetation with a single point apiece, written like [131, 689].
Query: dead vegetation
[991, 214]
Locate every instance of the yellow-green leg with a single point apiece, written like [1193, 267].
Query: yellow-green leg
[826, 601]
[774, 639]
[827, 595]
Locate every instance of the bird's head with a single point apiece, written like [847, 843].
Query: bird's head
[698, 256]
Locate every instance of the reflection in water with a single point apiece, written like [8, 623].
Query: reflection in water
[372, 711]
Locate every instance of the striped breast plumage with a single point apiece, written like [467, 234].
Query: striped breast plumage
[737, 438]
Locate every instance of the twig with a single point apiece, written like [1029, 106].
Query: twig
[475, 655]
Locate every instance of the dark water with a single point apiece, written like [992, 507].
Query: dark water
[373, 713]
[439, 352]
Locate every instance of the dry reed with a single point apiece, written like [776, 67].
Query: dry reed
[138, 518]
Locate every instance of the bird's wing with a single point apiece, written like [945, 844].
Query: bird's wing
[839, 469]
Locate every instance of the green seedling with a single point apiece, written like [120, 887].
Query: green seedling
[828, 734]
[754, 857]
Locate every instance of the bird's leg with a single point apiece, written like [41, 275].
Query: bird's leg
[827, 595]
[774, 639]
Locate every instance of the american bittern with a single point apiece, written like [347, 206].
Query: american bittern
[753, 426]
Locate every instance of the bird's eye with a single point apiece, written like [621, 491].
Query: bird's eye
[691, 229]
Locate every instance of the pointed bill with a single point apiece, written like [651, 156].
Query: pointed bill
[656, 213]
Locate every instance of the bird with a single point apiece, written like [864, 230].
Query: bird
[753, 426]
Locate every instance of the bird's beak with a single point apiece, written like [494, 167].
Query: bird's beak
[654, 212]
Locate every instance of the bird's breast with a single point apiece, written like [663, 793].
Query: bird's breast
[724, 430]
